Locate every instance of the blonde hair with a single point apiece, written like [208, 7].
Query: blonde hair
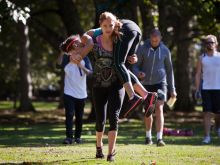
[213, 37]
[116, 33]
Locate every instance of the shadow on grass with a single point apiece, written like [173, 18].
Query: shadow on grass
[66, 161]
[40, 135]
[43, 135]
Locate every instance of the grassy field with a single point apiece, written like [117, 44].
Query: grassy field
[26, 143]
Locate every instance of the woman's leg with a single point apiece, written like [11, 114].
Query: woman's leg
[115, 101]
[100, 100]
[138, 87]
[121, 51]
[80, 103]
[150, 98]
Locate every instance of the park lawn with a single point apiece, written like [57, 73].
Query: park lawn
[38, 105]
[41, 144]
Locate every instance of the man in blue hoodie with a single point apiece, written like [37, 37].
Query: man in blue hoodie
[154, 68]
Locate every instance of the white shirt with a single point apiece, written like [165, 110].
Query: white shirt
[75, 81]
[211, 71]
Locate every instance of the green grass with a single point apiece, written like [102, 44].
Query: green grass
[41, 144]
[6, 105]
[39, 105]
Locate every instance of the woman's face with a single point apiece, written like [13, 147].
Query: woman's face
[107, 26]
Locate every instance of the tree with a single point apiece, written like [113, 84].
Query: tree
[146, 9]
[181, 25]
[19, 16]
[24, 62]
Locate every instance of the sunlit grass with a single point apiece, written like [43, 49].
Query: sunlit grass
[41, 144]
[198, 108]
[38, 105]
[42, 106]
[6, 105]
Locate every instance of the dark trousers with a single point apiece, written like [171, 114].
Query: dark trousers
[127, 46]
[108, 102]
[73, 106]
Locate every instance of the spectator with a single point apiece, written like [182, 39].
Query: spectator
[208, 68]
[75, 90]
[154, 68]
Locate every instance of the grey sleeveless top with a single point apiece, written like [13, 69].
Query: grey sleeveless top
[104, 74]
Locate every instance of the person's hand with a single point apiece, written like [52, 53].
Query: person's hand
[173, 94]
[198, 95]
[141, 75]
[132, 59]
[80, 65]
[75, 58]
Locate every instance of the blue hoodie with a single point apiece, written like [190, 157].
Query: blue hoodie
[156, 64]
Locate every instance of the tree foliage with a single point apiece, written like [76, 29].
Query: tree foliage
[182, 23]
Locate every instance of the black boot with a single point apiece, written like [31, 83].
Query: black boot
[111, 157]
[99, 153]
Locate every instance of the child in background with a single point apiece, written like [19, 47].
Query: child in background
[75, 91]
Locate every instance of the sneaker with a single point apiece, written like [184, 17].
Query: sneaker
[99, 153]
[132, 104]
[78, 141]
[148, 141]
[150, 103]
[68, 141]
[206, 140]
[160, 143]
[111, 157]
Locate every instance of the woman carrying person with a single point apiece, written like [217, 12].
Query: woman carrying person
[126, 36]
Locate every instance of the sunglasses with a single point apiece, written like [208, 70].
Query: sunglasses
[211, 42]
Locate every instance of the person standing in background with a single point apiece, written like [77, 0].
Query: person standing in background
[208, 69]
[154, 68]
[75, 90]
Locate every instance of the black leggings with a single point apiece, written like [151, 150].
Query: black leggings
[107, 100]
[127, 46]
[73, 105]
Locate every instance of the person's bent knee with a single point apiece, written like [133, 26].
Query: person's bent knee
[113, 128]
[100, 127]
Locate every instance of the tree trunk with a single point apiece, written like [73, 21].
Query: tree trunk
[25, 78]
[163, 24]
[184, 70]
[130, 7]
[166, 22]
[70, 16]
[146, 17]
